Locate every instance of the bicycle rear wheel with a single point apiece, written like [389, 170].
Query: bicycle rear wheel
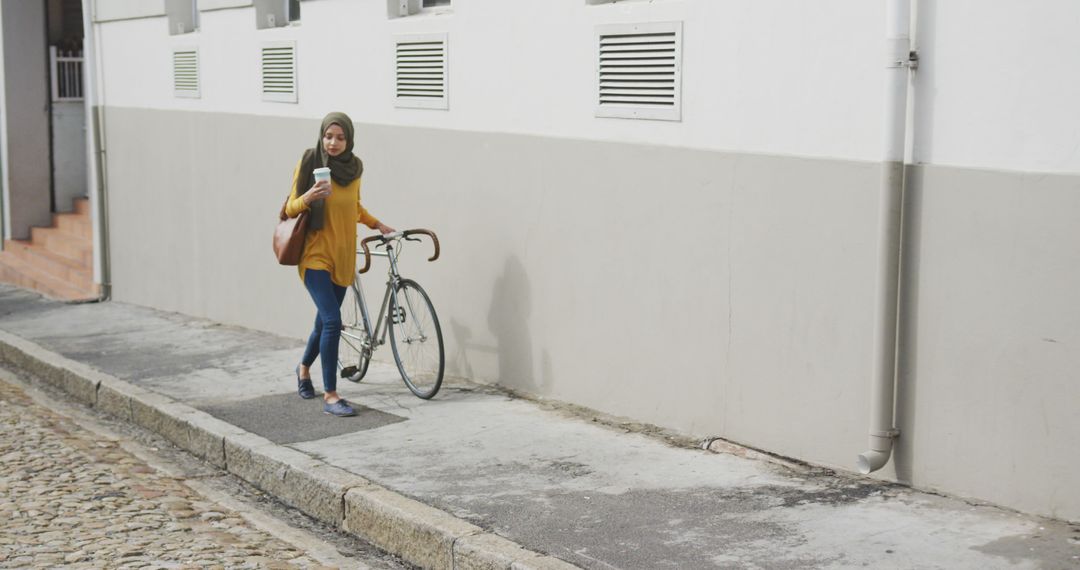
[417, 340]
[353, 357]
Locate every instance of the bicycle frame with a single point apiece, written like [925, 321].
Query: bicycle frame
[374, 337]
[420, 364]
[374, 333]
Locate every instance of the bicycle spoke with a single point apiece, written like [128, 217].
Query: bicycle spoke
[417, 340]
[353, 349]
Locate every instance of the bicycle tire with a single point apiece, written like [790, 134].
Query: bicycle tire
[353, 359]
[414, 324]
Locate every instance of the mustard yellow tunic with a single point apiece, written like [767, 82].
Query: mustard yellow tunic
[333, 248]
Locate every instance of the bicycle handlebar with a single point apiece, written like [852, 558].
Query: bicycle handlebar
[396, 235]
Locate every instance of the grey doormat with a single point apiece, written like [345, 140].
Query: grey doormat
[287, 418]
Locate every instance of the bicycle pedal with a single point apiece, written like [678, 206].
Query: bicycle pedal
[348, 372]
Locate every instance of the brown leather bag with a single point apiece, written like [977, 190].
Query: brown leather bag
[289, 237]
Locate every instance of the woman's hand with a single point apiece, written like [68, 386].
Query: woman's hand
[320, 190]
[384, 229]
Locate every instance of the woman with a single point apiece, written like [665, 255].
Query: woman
[329, 261]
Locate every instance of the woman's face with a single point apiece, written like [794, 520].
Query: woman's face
[333, 140]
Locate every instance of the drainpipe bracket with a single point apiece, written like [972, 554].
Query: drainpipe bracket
[887, 434]
[898, 61]
[913, 60]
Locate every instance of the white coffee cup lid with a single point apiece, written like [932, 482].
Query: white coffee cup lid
[322, 170]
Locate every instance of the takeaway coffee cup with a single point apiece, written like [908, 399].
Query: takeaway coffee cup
[322, 174]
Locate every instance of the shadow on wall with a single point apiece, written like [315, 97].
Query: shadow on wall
[463, 340]
[508, 319]
[904, 456]
[508, 322]
[923, 84]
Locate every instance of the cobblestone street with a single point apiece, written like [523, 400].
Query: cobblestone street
[69, 497]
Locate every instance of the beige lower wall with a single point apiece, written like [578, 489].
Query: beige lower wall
[989, 392]
[715, 293]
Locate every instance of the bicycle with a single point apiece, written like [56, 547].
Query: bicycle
[406, 312]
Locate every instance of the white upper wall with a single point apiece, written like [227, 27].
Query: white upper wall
[999, 85]
[106, 10]
[764, 76]
[528, 67]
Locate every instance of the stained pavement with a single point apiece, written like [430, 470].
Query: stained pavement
[553, 482]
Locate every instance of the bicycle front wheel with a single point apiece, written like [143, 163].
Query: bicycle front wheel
[353, 354]
[417, 340]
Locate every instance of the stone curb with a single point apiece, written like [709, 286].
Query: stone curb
[418, 533]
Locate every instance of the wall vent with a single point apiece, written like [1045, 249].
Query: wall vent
[421, 71]
[639, 71]
[279, 71]
[186, 72]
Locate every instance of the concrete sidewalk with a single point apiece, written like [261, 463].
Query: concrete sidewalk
[462, 480]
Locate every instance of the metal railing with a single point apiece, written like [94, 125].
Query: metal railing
[66, 70]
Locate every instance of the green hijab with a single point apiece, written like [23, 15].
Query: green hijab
[344, 168]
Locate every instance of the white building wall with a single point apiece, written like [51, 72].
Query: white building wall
[108, 10]
[768, 77]
[529, 69]
[996, 88]
[720, 282]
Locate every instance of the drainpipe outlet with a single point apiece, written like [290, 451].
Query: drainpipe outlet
[880, 450]
[871, 461]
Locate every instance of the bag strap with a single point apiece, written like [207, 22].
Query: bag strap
[283, 216]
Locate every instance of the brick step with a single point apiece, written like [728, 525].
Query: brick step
[63, 268]
[77, 225]
[18, 272]
[64, 244]
[56, 261]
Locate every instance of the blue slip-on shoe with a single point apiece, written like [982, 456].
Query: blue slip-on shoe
[340, 408]
[304, 386]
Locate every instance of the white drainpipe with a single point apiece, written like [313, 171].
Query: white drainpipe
[94, 95]
[883, 386]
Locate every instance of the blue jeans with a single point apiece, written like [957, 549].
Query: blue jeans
[324, 338]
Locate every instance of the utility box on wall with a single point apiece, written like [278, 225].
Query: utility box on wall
[400, 8]
[276, 13]
[183, 16]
